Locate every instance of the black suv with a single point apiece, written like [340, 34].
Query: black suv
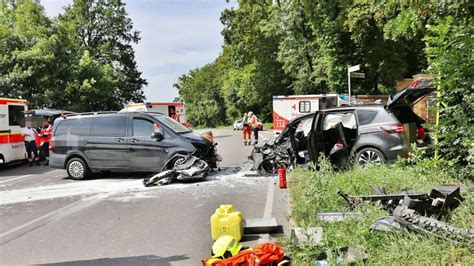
[142, 142]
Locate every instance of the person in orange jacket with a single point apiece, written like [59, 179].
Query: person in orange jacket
[45, 135]
[246, 130]
[256, 126]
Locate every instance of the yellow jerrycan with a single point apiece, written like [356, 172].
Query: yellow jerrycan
[227, 221]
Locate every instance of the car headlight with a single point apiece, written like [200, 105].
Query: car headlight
[208, 135]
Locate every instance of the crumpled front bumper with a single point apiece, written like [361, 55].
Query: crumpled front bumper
[185, 168]
[268, 156]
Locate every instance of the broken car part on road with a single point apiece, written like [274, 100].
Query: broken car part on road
[332, 216]
[269, 156]
[185, 168]
[417, 212]
[422, 224]
[439, 202]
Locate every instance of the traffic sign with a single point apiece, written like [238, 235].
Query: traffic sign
[353, 68]
[357, 75]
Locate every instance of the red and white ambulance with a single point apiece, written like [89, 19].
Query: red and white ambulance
[12, 119]
[175, 110]
[287, 108]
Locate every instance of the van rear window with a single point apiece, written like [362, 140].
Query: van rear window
[109, 126]
[77, 127]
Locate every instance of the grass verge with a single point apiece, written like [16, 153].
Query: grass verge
[314, 191]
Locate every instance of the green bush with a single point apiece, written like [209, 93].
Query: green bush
[316, 191]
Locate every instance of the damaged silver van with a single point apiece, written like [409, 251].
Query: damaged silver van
[373, 133]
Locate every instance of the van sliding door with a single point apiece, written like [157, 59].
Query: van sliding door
[106, 146]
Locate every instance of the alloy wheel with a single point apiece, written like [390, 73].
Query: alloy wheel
[76, 169]
[369, 157]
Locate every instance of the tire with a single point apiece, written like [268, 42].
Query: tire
[369, 156]
[77, 169]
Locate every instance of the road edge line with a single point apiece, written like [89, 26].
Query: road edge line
[15, 178]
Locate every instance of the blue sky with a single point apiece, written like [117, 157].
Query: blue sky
[177, 36]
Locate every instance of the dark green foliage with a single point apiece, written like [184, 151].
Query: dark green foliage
[447, 29]
[82, 61]
[303, 47]
[200, 90]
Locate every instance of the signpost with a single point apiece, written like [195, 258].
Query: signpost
[357, 75]
[350, 74]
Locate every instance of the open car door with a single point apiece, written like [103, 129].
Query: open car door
[410, 95]
[315, 138]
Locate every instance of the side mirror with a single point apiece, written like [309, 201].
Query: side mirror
[158, 136]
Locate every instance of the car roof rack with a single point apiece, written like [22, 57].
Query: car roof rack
[92, 113]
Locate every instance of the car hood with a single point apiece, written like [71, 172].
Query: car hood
[195, 137]
[410, 95]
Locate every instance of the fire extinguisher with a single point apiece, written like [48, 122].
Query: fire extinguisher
[282, 176]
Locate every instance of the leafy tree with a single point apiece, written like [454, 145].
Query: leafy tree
[104, 70]
[83, 61]
[25, 51]
[447, 28]
[321, 38]
[253, 75]
[200, 90]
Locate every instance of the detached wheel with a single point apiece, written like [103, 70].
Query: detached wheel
[370, 156]
[77, 169]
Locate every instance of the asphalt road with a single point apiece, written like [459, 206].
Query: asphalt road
[112, 219]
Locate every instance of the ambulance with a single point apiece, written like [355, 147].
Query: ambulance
[174, 110]
[12, 119]
[289, 107]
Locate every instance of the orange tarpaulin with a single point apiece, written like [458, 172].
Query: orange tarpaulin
[260, 255]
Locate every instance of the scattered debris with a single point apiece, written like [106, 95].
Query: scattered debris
[306, 236]
[185, 168]
[423, 224]
[288, 148]
[350, 255]
[441, 200]
[387, 224]
[262, 226]
[267, 157]
[332, 216]
[345, 255]
[417, 212]
[389, 201]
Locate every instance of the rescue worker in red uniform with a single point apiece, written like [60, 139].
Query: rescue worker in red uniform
[45, 135]
[246, 130]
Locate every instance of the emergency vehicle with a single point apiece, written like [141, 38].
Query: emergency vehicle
[12, 119]
[287, 108]
[174, 110]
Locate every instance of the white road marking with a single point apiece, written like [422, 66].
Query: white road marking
[262, 136]
[13, 179]
[267, 214]
[269, 201]
[47, 218]
[68, 190]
